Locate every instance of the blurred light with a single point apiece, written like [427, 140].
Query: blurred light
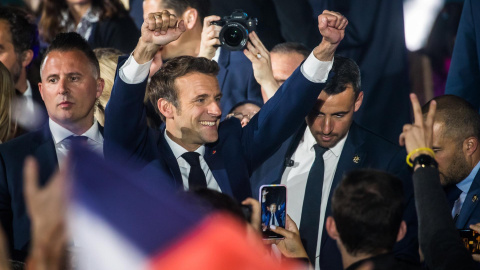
[419, 18]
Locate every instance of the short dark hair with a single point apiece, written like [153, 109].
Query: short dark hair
[179, 6]
[72, 41]
[22, 29]
[291, 47]
[344, 71]
[367, 207]
[461, 120]
[162, 83]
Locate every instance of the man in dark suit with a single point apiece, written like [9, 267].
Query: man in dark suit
[464, 74]
[345, 146]
[187, 96]
[235, 77]
[456, 134]
[19, 42]
[70, 85]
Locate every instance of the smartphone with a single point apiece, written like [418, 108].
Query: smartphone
[471, 240]
[273, 199]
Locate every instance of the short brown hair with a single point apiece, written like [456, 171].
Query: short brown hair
[162, 84]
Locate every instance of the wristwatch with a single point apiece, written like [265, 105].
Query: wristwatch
[425, 161]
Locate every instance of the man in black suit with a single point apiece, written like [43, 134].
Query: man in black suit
[70, 86]
[19, 46]
[341, 146]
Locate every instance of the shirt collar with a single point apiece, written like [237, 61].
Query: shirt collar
[178, 150]
[60, 133]
[217, 54]
[310, 141]
[28, 92]
[465, 184]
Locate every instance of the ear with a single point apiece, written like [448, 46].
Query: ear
[332, 228]
[40, 90]
[359, 101]
[27, 57]
[402, 230]
[166, 108]
[100, 86]
[470, 146]
[190, 17]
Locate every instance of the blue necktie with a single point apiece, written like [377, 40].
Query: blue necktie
[311, 204]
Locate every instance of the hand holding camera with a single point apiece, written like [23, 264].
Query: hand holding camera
[235, 30]
[210, 41]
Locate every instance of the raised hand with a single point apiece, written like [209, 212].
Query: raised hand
[210, 41]
[161, 28]
[261, 63]
[420, 133]
[332, 27]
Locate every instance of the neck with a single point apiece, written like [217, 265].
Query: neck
[21, 85]
[178, 139]
[78, 11]
[78, 128]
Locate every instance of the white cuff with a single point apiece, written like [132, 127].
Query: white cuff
[315, 70]
[132, 73]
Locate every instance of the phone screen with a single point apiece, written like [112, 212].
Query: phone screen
[273, 199]
[471, 240]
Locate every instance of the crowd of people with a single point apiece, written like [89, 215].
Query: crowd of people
[182, 112]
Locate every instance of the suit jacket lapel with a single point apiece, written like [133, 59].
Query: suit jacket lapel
[351, 158]
[470, 204]
[215, 163]
[171, 161]
[223, 62]
[45, 154]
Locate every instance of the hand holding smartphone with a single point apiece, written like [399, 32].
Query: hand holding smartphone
[471, 240]
[273, 199]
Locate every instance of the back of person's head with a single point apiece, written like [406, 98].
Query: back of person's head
[108, 60]
[367, 207]
[460, 119]
[7, 90]
[291, 47]
[179, 6]
[22, 29]
[162, 84]
[65, 42]
[344, 71]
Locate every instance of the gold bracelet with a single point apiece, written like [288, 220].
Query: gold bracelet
[427, 149]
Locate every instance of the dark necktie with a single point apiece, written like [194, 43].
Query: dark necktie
[196, 178]
[75, 140]
[311, 204]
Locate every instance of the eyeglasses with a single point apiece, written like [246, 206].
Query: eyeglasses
[241, 116]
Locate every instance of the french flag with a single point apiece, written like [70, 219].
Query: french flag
[122, 222]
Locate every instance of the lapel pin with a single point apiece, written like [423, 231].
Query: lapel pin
[214, 151]
[474, 198]
[356, 159]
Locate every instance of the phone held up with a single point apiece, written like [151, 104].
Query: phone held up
[273, 199]
[471, 240]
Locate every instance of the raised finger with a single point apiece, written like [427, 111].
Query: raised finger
[417, 110]
[431, 115]
[260, 43]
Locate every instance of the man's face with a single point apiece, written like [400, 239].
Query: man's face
[195, 121]
[174, 48]
[284, 64]
[69, 88]
[452, 164]
[8, 56]
[330, 119]
[273, 208]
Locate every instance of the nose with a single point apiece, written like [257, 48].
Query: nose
[62, 87]
[214, 109]
[327, 126]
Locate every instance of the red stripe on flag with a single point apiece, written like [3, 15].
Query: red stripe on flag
[219, 242]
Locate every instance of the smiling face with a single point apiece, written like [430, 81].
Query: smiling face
[195, 121]
[330, 119]
[69, 89]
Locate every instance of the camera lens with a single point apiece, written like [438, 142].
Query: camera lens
[233, 36]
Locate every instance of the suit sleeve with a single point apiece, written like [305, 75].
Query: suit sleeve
[5, 205]
[464, 74]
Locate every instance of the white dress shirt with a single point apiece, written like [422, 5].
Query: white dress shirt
[178, 151]
[59, 134]
[295, 178]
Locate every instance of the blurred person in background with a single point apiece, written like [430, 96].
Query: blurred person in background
[244, 111]
[7, 90]
[103, 23]
[108, 59]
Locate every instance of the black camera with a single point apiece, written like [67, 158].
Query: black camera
[235, 29]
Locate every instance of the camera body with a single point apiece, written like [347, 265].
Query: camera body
[235, 29]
